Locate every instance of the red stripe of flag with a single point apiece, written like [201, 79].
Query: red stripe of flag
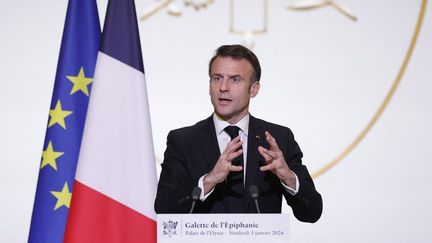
[98, 218]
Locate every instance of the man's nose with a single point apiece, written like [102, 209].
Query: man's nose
[224, 85]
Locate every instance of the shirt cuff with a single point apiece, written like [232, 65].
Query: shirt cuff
[201, 186]
[291, 190]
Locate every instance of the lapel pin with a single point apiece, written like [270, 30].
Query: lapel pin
[257, 136]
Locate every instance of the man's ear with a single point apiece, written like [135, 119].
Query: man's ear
[254, 89]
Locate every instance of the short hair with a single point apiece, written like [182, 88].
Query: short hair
[238, 52]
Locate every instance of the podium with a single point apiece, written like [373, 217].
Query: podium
[222, 228]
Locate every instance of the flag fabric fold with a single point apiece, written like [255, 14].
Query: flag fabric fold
[73, 81]
[115, 182]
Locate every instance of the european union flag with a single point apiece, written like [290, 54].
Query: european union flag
[76, 64]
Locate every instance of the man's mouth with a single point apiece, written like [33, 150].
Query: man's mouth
[224, 101]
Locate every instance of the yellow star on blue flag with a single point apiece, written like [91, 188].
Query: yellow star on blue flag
[80, 82]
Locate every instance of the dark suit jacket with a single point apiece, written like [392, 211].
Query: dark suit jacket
[193, 151]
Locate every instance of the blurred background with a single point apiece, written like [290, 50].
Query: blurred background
[327, 68]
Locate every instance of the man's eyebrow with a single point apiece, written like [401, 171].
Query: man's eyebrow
[235, 76]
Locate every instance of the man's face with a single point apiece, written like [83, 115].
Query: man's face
[230, 88]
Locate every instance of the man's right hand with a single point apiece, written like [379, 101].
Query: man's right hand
[224, 165]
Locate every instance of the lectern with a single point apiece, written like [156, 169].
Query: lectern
[222, 228]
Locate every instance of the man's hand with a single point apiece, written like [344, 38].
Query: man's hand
[224, 165]
[276, 162]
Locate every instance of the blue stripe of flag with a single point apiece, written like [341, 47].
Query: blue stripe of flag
[120, 34]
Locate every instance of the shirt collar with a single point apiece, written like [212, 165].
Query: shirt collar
[220, 124]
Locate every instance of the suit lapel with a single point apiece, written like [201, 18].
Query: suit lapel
[209, 142]
[256, 138]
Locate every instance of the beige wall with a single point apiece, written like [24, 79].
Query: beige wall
[324, 76]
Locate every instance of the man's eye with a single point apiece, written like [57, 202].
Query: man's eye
[216, 78]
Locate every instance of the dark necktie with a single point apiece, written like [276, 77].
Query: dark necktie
[235, 179]
[233, 132]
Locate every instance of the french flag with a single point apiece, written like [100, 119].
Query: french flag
[115, 181]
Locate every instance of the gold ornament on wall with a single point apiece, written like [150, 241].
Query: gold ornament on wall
[198, 5]
[172, 8]
[248, 34]
[305, 5]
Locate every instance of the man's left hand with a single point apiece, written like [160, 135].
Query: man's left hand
[276, 162]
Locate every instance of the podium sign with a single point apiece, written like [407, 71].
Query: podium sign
[226, 228]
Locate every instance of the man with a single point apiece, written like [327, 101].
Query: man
[231, 150]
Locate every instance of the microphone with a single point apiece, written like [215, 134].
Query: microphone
[196, 192]
[253, 192]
